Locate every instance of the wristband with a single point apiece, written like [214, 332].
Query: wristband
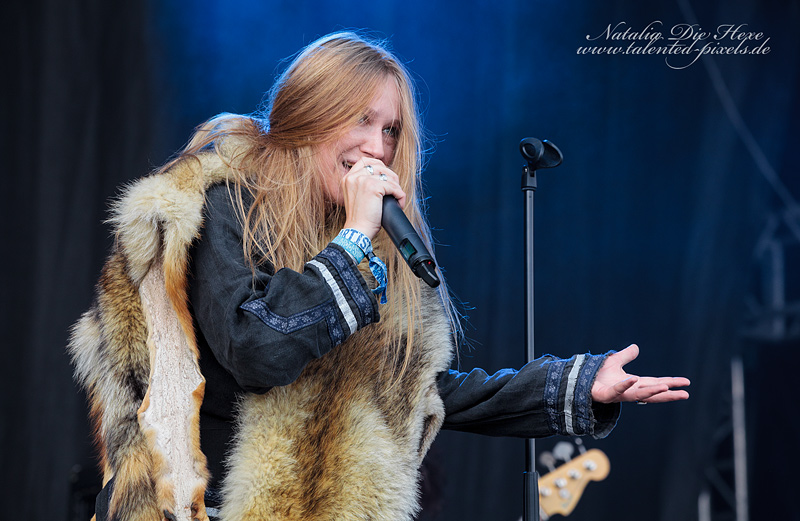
[350, 247]
[364, 245]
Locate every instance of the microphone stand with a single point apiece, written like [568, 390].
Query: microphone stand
[537, 154]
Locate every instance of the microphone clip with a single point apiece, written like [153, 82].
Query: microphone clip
[538, 154]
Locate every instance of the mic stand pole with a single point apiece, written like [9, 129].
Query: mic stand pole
[537, 154]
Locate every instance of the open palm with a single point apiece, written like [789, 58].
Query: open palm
[613, 384]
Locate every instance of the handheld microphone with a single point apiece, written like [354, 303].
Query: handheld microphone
[407, 241]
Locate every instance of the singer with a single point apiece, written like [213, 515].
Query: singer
[258, 349]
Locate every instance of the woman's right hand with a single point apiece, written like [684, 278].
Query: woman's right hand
[363, 188]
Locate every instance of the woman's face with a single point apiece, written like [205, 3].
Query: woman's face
[374, 137]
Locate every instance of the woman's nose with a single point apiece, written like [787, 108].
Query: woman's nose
[374, 144]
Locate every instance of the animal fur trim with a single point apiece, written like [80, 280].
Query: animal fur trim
[336, 444]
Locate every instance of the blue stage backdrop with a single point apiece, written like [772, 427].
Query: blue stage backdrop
[648, 233]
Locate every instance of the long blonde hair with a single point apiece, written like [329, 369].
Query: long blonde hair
[326, 89]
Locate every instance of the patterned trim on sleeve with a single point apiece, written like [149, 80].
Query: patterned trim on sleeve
[555, 372]
[344, 307]
[352, 282]
[325, 311]
[584, 418]
[569, 398]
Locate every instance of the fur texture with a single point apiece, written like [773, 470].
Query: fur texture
[338, 443]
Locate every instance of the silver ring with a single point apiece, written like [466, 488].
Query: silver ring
[369, 169]
[640, 402]
[383, 177]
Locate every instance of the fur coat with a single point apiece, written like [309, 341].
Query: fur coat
[332, 445]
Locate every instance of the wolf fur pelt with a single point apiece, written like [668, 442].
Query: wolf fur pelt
[337, 444]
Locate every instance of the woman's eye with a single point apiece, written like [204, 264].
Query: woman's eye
[392, 132]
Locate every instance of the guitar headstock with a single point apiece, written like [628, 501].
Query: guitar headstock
[560, 490]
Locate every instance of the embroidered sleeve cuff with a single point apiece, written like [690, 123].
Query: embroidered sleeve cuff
[352, 307]
[355, 301]
[568, 398]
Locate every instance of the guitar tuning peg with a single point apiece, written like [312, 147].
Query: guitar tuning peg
[581, 446]
[563, 450]
[548, 460]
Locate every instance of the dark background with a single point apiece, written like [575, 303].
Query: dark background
[654, 230]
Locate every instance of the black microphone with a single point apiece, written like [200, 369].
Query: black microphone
[407, 241]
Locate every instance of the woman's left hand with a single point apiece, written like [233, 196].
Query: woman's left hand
[613, 384]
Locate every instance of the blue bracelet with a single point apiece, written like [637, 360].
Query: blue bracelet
[350, 237]
[350, 247]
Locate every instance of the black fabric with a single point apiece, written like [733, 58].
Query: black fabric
[513, 402]
[103, 502]
[78, 115]
[256, 353]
